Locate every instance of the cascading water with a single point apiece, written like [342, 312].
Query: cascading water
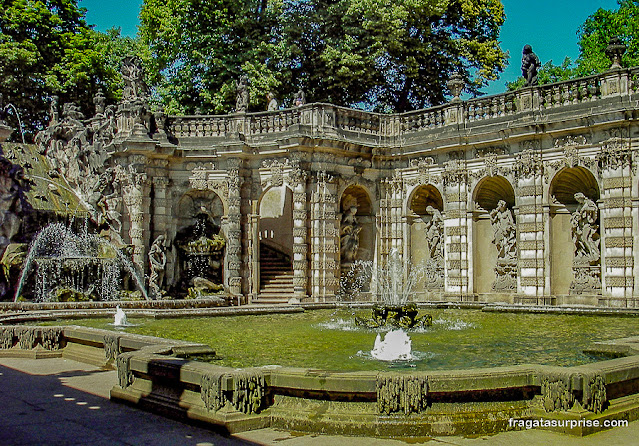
[88, 263]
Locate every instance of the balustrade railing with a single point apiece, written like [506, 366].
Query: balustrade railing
[318, 119]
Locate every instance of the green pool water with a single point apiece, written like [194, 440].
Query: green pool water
[329, 339]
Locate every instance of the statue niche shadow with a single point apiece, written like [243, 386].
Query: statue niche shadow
[200, 255]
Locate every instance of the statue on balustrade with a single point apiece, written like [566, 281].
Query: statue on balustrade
[272, 102]
[584, 229]
[300, 98]
[434, 233]
[529, 66]
[133, 75]
[349, 232]
[242, 97]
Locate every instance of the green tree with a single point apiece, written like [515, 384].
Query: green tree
[201, 47]
[379, 54]
[47, 48]
[599, 28]
[594, 36]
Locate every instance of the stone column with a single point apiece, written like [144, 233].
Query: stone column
[531, 242]
[135, 188]
[254, 257]
[456, 232]
[616, 221]
[324, 239]
[391, 221]
[161, 213]
[234, 228]
[300, 233]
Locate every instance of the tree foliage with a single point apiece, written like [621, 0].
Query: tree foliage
[594, 36]
[47, 48]
[391, 55]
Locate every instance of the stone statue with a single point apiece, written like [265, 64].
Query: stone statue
[349, 234]
[99, 101]
[133, 75]
[272, 102]
[505, 233]
[300, 98]
[434, 232]
[11, 200]
[157, 261]
[242, 98]
[529, 66]
[505, 240]
[584, 229]
[54, 115]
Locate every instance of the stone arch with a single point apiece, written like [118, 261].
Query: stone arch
[198, 216]
[426, 236]
[567, 269]
[357, 227]
[424, 196]
[494, 237]
[275, 210]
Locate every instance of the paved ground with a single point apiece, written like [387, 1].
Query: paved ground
[60, 402]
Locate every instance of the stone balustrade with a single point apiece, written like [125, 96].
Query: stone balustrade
[357, 126]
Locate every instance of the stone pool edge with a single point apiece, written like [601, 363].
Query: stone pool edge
[156, 374]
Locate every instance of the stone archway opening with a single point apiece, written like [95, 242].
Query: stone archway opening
[426, 236]
[575, 259]
[275, 231]
[198, 248]
[494, 237]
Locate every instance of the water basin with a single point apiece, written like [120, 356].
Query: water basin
[330, 339]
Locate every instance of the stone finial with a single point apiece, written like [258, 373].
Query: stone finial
[615, 50]
[455, 85]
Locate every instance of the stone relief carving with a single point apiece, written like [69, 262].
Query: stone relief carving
[505, 240]
[454, 172]
[349, 231]
[586, 239]
[527, 164]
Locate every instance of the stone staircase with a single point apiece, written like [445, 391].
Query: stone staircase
[276, 277]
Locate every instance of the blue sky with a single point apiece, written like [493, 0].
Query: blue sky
[549, 26]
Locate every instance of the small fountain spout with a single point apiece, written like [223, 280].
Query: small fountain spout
[396, 346]
[120, 320]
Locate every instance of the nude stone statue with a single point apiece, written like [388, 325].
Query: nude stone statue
[505, 234]
[434, 232]
[157, 261]
[349, 235]
[584, 229]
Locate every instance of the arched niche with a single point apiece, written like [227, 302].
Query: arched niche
[426, 236]
[491, 272]
[357, 226]
[198, 246]
[276, 219]
[563, 204]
